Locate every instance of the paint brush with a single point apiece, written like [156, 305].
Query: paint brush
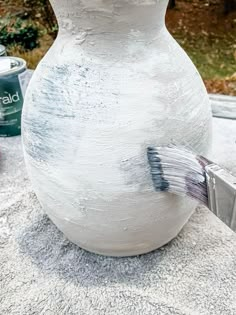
[182, 172]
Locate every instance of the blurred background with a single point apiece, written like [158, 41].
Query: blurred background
[206, 29]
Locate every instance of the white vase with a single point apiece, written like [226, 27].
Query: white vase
[113, 83]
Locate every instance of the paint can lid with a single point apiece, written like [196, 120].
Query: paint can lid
[2, 50]
[11, 65]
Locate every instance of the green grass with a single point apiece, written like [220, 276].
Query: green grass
[215, 58]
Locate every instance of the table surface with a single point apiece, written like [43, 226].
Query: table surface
[43, 273]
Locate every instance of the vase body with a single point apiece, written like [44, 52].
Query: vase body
[113, 83]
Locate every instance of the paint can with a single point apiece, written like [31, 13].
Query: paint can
[13, 83]
[3, 51]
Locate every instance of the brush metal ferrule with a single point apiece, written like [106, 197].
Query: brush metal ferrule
[221, 186]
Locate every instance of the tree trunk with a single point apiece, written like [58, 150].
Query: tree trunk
[229, 5]
[171, 4]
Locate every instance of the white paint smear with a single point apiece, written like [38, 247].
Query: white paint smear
[113, 83]
[5, 64]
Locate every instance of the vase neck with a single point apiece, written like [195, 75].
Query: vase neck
[114, 16]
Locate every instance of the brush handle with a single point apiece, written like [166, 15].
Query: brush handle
[221, 186]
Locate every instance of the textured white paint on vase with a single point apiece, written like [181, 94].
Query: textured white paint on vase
[113, 83]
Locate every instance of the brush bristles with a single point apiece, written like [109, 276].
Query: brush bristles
[178, 171]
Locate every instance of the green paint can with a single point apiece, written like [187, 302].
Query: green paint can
[3, 51]
[12, 88]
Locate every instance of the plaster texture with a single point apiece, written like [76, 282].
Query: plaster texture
[113, 83]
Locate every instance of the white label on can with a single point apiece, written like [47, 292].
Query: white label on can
[5, 64]
[24, 79]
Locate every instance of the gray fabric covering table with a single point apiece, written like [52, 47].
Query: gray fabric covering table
[41, 272]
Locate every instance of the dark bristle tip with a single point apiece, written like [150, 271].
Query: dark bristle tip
[158, 187]
[165, 185]
[156, 172]
[161, 188]
[157, 177]
[153, 158]
[155, 164]
[152, 151]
